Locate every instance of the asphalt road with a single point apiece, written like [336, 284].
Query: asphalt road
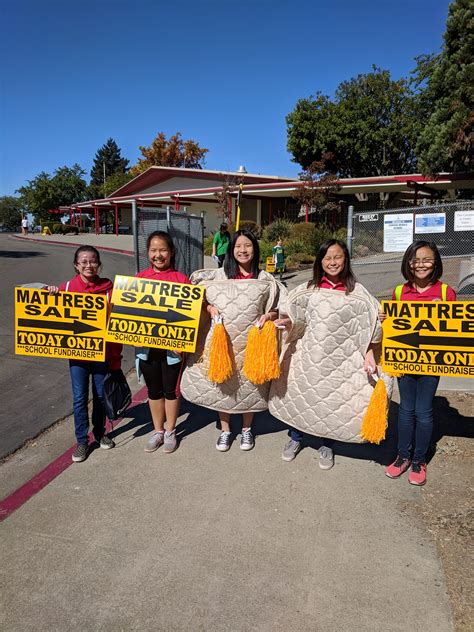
[36, 392]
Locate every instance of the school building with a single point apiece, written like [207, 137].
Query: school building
[264, 197]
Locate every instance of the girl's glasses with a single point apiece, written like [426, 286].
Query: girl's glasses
[84, 264]
[422, 262]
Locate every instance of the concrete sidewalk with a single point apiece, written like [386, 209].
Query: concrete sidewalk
[202, 540]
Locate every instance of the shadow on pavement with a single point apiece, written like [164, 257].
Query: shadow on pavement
[15, 254]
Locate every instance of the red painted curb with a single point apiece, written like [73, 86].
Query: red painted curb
[129, 253]
[19, 497]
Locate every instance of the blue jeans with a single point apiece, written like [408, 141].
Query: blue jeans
[80, 373]
[415, 416]
[296, 435]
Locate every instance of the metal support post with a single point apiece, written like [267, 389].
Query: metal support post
[135, 235]
[350, 217]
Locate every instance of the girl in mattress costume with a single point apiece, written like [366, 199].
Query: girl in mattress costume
[242, 296]
[329, 360]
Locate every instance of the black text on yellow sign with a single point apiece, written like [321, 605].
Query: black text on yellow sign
[160, 314]
[67, 325]
[435, 338]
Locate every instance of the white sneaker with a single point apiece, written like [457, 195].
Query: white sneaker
[326, 458]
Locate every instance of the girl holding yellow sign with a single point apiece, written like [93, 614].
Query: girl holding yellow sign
[160, 368]
[422, 268]
[87, 264]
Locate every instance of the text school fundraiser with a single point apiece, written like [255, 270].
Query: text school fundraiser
[148, 313]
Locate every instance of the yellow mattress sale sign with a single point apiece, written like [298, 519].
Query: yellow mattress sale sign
[67, 325]
[148, 313]
[435, 338]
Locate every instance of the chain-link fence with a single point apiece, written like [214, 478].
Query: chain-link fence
[187, 232]
[384, 234]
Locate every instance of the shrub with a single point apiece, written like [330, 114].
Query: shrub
[252, 227]
[70, 228]
[296, 260]
[341, 233]
[304, 232]
[322, 233]
[57, 229]
[208, 245]
[266, 248]
[280, 228]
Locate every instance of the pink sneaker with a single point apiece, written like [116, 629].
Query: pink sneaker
[417, 475]
[398, 467]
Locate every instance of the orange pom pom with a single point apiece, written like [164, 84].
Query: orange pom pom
[220, 361]
[261, 354]
[374, 425]
[270, 351]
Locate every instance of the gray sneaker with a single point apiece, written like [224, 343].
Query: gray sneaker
[326, 458]
[154, 442]
[170, 442]
[106, 443]
[224, 441]
[247, 441]
[290, 450]
[80, 453]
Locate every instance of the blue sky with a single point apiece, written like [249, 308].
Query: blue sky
[224, 73]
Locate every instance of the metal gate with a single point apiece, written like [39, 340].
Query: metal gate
[187, 232]
[383, 235]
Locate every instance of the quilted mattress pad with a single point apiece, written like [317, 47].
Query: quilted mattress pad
[323, 389]
[241, 303]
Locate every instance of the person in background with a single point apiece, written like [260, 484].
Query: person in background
[220, 243]
[24, 225]
[278, 254]
[422, 268]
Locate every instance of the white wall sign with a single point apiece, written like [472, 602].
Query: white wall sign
[430, 223]
[397, 232]
[368, 217]
[464, 220]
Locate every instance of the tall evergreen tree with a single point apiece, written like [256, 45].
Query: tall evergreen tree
[108, 161]
[446, 142]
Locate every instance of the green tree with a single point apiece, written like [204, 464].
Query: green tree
[10, 211]
[43, 193]
[370, 128]
[117, 180]
[447, 86]
[172, 152]
[108, 161]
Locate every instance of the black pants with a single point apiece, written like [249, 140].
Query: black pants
[161, 378]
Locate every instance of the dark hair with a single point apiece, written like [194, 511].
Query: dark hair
[223, 227]
[82, 249]
[231, 267]
[410, 254]
[347, 276]
[161, 234]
